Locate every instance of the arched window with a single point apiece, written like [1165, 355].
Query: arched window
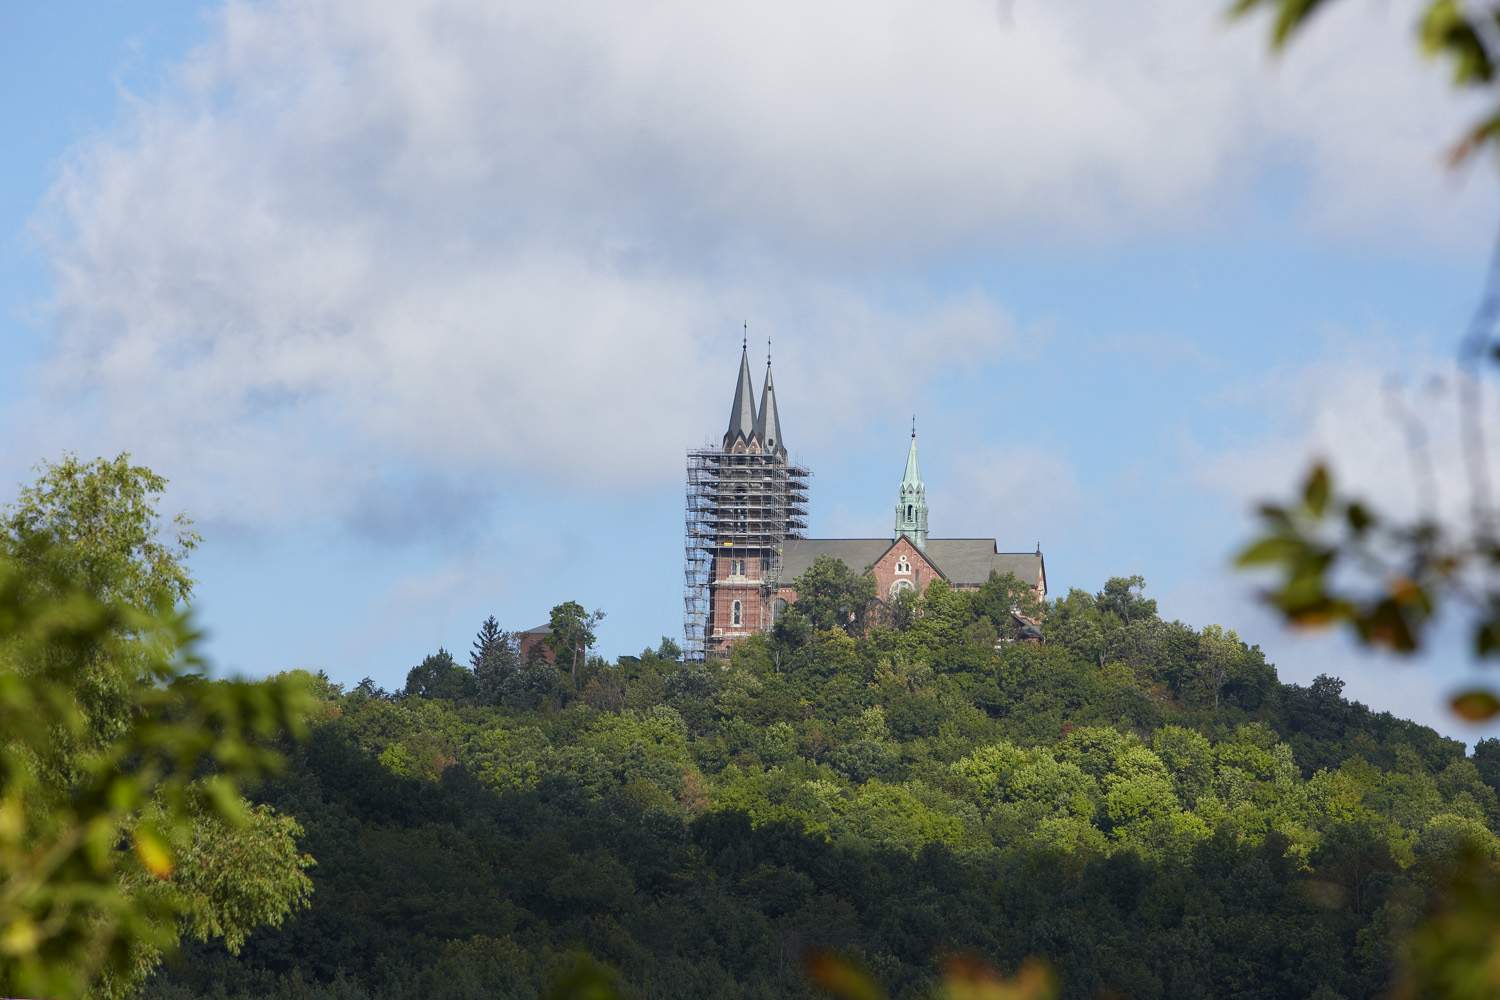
[903, 566]
[908, 512]
[899, 586]
[734, 613]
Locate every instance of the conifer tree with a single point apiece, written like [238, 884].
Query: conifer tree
[485, 640]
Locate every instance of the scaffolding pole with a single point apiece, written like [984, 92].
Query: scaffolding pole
[737, 504]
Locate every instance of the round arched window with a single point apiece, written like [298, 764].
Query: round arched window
[899, 587]
[903, 566]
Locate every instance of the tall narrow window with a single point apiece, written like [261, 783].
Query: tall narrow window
[734, 613]
[908, 512]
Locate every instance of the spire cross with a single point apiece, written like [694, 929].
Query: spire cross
[913, 425]
[745, 339]
[768, 352]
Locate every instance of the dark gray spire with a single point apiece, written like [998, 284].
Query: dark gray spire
[768, 425]
[742, 414]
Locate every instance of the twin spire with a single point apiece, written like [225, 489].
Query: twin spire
[751, 428]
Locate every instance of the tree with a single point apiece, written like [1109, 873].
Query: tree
[1122, 598]
[439, 676]
[572, 635]
[95, 525]
[120, 768]
[488, 637]
[1001, 597]
[831, 595]
[496, 655]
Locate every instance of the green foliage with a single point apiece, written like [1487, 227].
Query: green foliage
[1138, 803]
[572, 636]
[122, 829]
[440, 676]
[832, 595]
[112, 847]
[95, 525]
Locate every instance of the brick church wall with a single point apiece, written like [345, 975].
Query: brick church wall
[887, 569]
[731, 585]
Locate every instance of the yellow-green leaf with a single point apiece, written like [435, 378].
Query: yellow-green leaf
[1316, 490]
[841, 978]
[1476, 705]
[153, 852]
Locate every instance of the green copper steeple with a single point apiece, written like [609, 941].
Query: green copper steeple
[911, 505]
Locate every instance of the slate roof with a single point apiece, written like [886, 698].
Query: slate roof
[965, 562]
[768, 423]
[859, 554]
[742, 412]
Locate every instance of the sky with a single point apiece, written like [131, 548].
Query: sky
[419, 304]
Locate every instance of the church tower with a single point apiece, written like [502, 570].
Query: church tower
[744, 499]
[911, 502]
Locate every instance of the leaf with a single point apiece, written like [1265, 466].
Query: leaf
[226, 800]
[1487, 638]
[20, 937]
[1290, 19]
[1485, 131]
[966, 978]
[1387, 626]
[840, 977]
[1316, 490]
[153, 852]
[1291, 15]
[1271, 549]
[1359, 518]
[1476, 705]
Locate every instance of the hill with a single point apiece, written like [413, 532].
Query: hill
[1141, 804]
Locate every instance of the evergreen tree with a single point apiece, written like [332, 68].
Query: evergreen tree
[489, 634]
[499, 659]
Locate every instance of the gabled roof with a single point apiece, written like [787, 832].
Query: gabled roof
[965, 562]
[742, 413]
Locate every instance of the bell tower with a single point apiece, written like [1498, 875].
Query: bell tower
[744, 498]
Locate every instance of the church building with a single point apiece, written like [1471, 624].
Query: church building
[746, 511]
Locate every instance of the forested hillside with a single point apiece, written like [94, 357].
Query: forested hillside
[1141, 804]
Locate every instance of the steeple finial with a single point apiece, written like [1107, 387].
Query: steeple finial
[913, 425]
[768, 352]
[745, 338]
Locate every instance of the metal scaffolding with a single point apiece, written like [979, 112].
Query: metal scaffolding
[738, 504]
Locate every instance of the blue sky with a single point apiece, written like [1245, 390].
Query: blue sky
[419, 305]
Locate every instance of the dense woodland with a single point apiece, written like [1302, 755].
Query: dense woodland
[1139, 803]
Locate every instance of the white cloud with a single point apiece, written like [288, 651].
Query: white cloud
[1385, 420]
[347, 237]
